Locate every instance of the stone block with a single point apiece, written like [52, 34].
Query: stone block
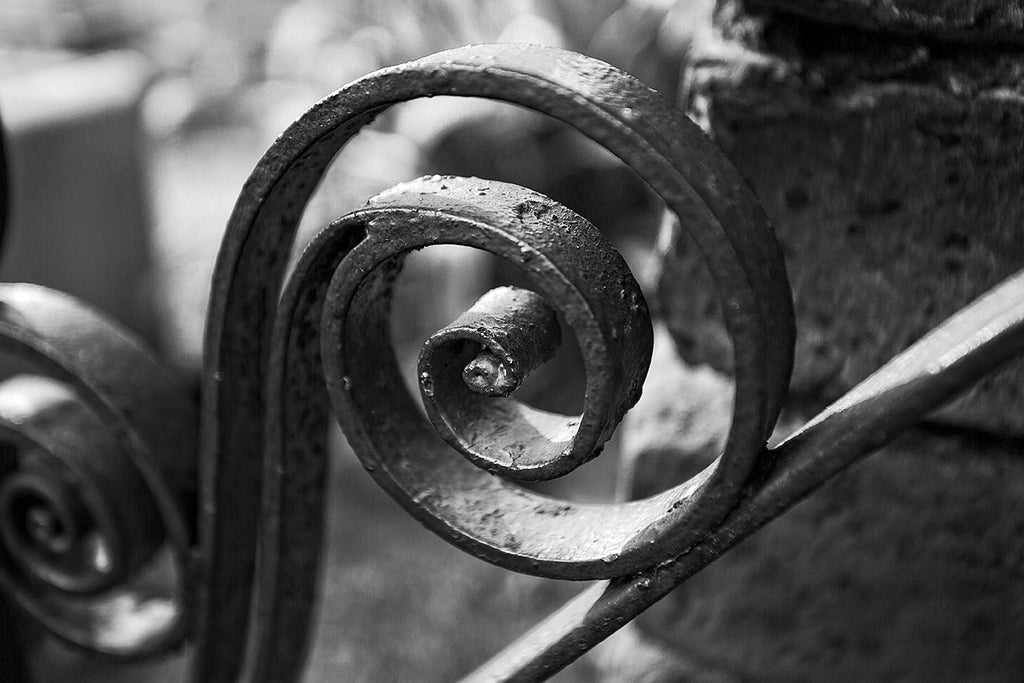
[892, 173]
[976, 20]
[908, 566]
[75, 145]
[891, 169]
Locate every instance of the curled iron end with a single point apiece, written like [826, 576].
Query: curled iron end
[487, 375]
[512, 330]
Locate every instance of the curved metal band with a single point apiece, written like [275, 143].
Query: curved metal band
[667, 150]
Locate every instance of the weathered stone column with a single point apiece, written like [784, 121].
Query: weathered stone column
[886, 140]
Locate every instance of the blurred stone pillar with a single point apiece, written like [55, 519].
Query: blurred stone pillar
[886, 140]
[78, 218]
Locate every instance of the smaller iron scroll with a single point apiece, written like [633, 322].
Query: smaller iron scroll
[97, 482]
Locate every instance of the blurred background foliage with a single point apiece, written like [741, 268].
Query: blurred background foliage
[228, 45]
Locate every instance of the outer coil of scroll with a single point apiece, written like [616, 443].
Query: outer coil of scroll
[263, 370]
[96, 479]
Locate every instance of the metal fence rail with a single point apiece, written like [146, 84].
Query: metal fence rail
[282, 357]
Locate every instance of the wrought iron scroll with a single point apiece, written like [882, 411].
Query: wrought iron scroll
[98, 476]
[277, 353]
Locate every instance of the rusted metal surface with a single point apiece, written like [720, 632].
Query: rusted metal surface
[97, 416]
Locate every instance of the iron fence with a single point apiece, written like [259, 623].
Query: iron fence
[134, 518]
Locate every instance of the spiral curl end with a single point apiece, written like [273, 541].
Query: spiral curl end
[489, 376]
[516, 331]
